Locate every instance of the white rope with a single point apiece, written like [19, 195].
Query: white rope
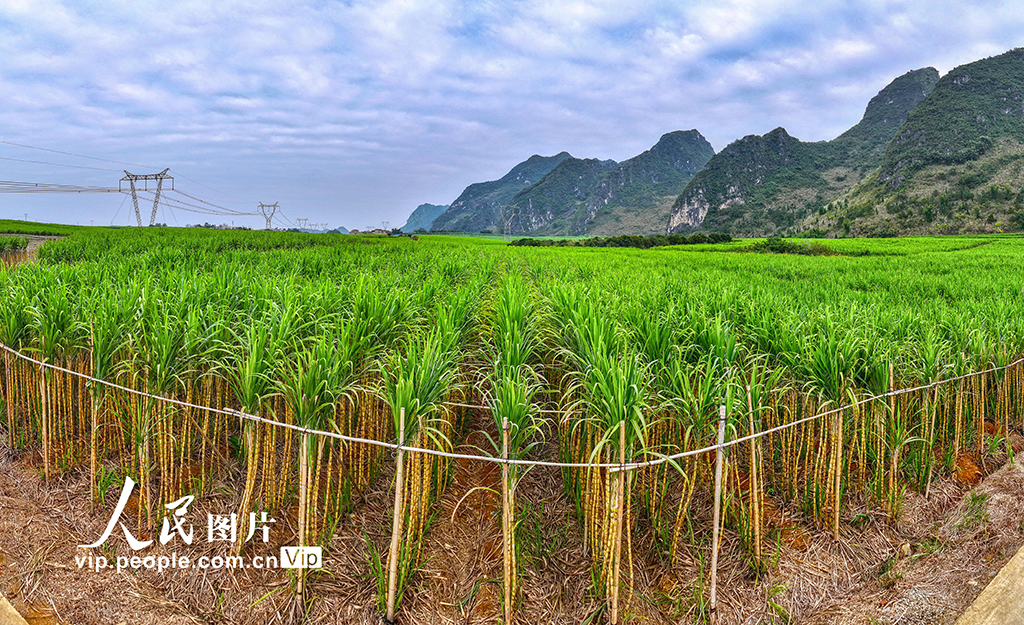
[612, 467]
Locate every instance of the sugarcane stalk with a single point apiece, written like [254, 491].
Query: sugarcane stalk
[506, 521]
[755, 504]
[396, 522]
[619, 493]
[303, 497]
[717, 516]
[45, 422]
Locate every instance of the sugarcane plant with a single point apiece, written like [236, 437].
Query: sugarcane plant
[56, 331]
[514, 383]
[416, 380]
[320, 374]
[106, 339]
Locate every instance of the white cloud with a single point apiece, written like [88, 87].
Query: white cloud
[328, 105]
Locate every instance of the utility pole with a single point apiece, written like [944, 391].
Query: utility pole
[145, 178]
[273, 208]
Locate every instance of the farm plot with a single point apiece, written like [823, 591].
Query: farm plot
[878, 374]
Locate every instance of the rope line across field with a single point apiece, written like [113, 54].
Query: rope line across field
[612, 466]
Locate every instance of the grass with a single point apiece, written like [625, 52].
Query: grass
[975, 513]
[14, 226]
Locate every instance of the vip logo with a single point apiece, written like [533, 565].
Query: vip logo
[301, 557]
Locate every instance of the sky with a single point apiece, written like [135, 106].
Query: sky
[353, 113]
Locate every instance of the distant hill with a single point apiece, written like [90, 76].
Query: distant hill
[340, 230]
[479, 206]
[552, 203]
[955, 166]
[607, 198]
[637, 196]
[588, 196]
[423, 217]
[763, 185]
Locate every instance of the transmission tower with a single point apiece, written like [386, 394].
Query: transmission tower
[273, 208]
[302, 222]
[506, 224]
[145, 178]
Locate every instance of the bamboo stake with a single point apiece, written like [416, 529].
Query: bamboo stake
[837, 438]
[619, 492]
[45, 423]
[93, 490]
[929, 411]
[506, 514]
[396, 524]
[717, 514]
[303, 497]
[755, 495]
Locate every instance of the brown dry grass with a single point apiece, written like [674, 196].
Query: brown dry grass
[925, 568]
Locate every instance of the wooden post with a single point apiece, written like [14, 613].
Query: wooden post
[837, 447]
[95, 390]
[93, 434]
[506, 522]
[396, 524]
[303, 502]
[45, 423]
[619, 495]
[754, 482]
[716, 521]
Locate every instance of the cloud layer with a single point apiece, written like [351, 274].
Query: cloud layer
[352, 113]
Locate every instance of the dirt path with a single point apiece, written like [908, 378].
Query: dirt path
[36, 240]
[945, 559]
[29, 254]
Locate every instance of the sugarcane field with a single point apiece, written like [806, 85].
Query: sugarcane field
[276, 427]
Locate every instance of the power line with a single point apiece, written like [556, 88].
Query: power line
[94, 158]
[223, 208]
[123, 200]
[185, 206]
[22, 160]
[116, 162]
[13, 186]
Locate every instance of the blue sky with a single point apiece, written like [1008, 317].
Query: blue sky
[352, 113]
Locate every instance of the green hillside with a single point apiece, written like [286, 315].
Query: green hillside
[636, 197]
[763, 185]
[955, 166]
[604, 198]
[550, 206]
[970, 107]
[423, 217]
[479, 206]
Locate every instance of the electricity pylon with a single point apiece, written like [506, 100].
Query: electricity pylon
[145, 178]
[506, 224]
[273, 209]
[303, 223]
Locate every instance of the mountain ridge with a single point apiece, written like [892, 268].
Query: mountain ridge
[478, 206]
[423, 216]
[764, 184]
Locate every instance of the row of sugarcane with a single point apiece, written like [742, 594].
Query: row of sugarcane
[809, 464]
[691, 361]
[341, 373]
